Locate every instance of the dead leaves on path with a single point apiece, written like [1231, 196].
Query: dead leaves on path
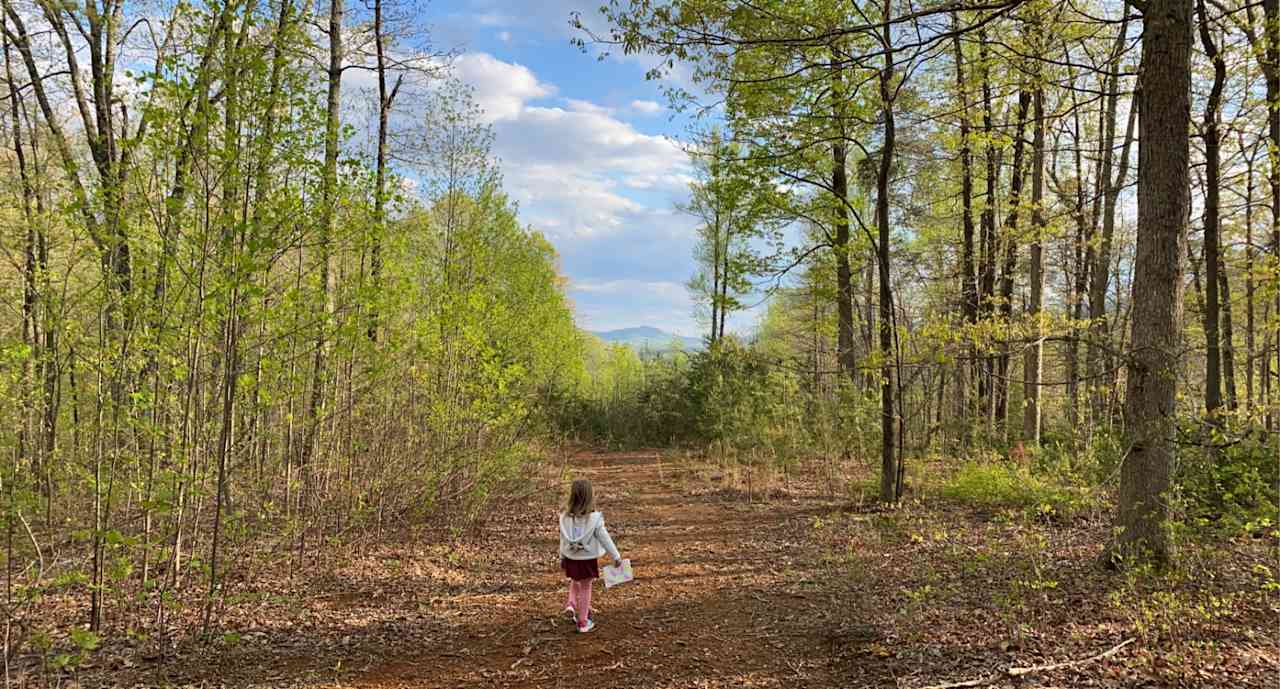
[798, 592]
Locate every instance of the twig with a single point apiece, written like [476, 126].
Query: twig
[1024, 671]
[1021, 671]
[35, 544]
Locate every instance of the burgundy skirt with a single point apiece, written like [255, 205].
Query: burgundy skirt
[580, 569]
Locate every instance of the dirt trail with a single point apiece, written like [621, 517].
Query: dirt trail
[798, 591]
[718, 600]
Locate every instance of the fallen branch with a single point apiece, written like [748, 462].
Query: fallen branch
[1031, 670]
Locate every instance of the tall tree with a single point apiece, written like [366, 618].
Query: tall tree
[1163, 203]
[968, 276]
[1033, 364]
[1271, 72]
[890, 468]
[1212, 219]
[1097, 355]
[328, 209]
[1010, 243]
[845, 355]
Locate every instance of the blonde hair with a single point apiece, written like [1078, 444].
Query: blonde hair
[581, 499]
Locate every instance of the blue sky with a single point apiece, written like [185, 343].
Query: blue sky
[590, 152]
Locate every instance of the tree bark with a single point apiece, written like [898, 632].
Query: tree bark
[987, 239]
[1228, 346]
[328, 201]
[1163, 203]
[890, 478]
[1250, 325]
[844, 276]
[385, 100]
[1212, 245]
[1011, 253]
[1033, 364]
[1271, 70]
[968, 276]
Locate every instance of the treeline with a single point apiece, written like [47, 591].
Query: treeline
[246, 306]
[977, 223]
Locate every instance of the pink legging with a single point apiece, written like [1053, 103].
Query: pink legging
[580, 599]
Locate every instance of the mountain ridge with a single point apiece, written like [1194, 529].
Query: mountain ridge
[647, 336]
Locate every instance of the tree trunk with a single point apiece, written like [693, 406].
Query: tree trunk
[840, 189]
[328, 201]
[1271, 68]
[1249, 324]
[385, 99]
[1077, 279]
[1010, 266]
[987, 239]
[1212, 244]
[890, 478]
[724, 274]
[1098, 354]
[844, 275]
[968, 276]
[1033, 364]
[1163, 203]
[1228, 347]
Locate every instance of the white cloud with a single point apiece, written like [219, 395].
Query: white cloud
[504, 36]
[602, 191]
[663, 288]
[588, 107]
[589, 137]
[493, 19]
[647, 107]
[502, 88]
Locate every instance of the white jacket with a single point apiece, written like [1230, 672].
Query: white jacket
[585, 538]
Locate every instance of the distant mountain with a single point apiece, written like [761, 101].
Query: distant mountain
[646, 337]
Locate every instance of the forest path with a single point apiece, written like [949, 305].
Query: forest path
[801, 590]
[719, 597]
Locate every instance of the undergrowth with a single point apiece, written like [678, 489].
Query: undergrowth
[996, 486]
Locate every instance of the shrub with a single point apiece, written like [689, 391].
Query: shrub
[999, 486]
[1233, 490]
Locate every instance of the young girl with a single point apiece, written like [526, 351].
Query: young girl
[583, 538]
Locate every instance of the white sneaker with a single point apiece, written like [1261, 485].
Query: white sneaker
[570, 613]
[591, 624]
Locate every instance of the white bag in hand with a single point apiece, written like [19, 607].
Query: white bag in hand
[617, 575]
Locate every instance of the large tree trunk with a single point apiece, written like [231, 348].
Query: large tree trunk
[1212, 245]
[1163, 204]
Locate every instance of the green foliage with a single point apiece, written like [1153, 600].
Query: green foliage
[1234, 491]
[993, 485]
[729, 395]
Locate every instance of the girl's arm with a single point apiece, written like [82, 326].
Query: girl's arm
[603, 534]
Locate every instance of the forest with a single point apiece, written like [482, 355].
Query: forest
[291, 387]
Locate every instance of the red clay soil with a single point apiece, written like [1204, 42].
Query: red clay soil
[797, 591]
